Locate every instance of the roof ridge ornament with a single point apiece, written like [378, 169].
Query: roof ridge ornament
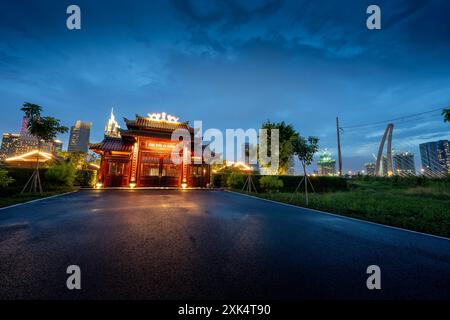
[163, 117]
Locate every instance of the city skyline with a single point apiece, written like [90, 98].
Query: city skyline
[224, 64]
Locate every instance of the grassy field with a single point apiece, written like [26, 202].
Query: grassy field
[19, 198]
[425, 209]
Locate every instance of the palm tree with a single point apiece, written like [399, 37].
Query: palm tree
[44, 129]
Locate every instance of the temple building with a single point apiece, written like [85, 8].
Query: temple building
[141, 156]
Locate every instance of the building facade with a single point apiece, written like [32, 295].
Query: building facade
[435, 158]
[404, 164]
[79, 137]
[14, 144]
[370, 168]
[142, 156]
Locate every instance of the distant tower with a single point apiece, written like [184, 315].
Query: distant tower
[404, 164]
[24, 127]
[388, 170]
[79, 137]
[326, 164]
[112, 127]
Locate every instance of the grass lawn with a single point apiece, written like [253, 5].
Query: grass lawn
[19, 198]
[425, 209]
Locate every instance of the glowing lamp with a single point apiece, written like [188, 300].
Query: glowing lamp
[184, 185]
[99, 185]
[132, 185]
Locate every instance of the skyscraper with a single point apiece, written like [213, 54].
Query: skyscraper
[370, 168]
[435, 156]
[326, 164]
[112, 127]
[79, 137]
[57, 146]
[444, 154]
[404, 164]
[9, 145]
[15, 144]
[24, 127]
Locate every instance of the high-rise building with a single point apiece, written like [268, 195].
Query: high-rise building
[370, 168]
[112, 127]
[444, 154]
[435, 156]
[9, 145]
[79, 137]
[326, 164]
[404, 164]
[24, 127]
[57, 146]
[14, 144]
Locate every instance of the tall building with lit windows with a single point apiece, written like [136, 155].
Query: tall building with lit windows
[404, 164]
[9, 144]
[79, 137]
[370, 168]
[16, 144]
[435, 156]
[326, 164]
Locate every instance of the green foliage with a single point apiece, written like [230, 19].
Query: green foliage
[43, 128]
[235, 180]
[5, 179]
[305, 149]
[419, 208]
[62, 174]
[270, 183]
[85, 178]
[286, 134]
[446, 114]
[78, 160]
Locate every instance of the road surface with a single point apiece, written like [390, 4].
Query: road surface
[208, 245]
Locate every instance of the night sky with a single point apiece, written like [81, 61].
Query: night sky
[233, 64]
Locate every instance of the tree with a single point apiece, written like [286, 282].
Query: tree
[287, 134]
[235, 180]
[44, 129]
[305, 150]
[446, 114]
[5, 179]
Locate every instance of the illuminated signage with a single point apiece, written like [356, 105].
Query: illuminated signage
[159, 145]
[163, 117]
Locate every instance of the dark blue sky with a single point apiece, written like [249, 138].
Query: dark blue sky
[233, 64]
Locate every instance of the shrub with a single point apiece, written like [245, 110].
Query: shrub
[321, 184]
[219, 180]
[235, 180]
[86, 178]
[5, 179]
[270, 183]
[62, 174]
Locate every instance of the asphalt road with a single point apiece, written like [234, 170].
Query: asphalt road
[208, 245]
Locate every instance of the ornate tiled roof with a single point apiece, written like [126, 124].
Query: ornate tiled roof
[112, 144]
[144, 123]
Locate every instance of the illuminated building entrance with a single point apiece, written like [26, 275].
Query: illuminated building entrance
[141, 156]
